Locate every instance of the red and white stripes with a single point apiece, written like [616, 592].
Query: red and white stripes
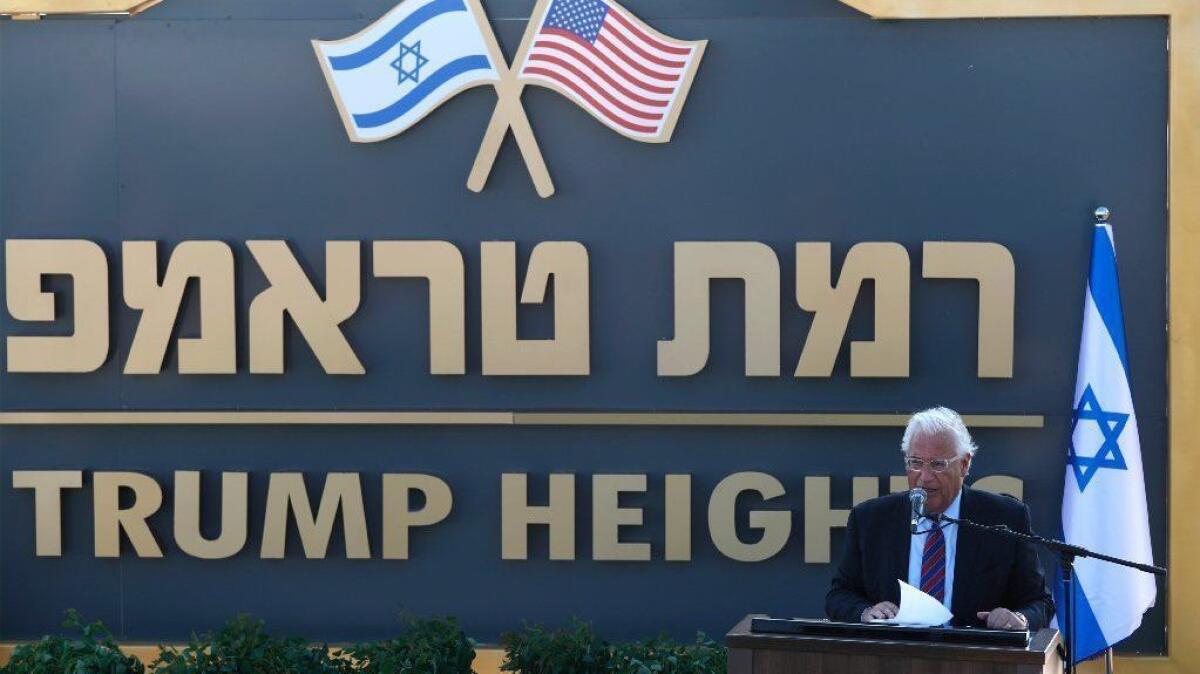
[630, 78]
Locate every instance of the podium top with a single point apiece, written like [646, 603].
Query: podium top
[822, 636]
[889, 632]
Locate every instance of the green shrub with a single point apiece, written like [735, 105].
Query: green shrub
[94, 653]
[534, 650]
[664, 656]
[434, 646]
[578, 650]
[244, 647]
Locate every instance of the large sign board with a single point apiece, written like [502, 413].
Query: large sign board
[660, 388]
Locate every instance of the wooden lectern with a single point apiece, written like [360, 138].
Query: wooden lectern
[760, 645]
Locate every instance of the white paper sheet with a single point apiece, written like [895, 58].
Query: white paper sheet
[918, 609]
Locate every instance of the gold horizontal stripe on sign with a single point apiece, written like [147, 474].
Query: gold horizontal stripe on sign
[333, 418]
[757, 419]
[240, 417]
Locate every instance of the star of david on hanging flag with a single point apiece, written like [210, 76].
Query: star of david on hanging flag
[413, 73]
[1108, 455]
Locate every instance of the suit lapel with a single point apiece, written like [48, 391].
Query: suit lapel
[966, 556]
[899, 547]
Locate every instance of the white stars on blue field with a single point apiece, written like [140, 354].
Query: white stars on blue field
[585, 18]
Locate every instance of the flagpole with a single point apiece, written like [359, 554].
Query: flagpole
[509, 111]
[1102, 215]
[1066, 562]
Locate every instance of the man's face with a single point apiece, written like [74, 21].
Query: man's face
[942, 487]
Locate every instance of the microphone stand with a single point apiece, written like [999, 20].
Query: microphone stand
[1067, 553]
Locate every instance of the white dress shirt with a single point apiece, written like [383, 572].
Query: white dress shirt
[916, 550]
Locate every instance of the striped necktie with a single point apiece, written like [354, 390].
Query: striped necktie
[933, 565]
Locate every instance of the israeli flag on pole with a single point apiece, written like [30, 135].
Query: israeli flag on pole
[395, 71]
[1104, 498]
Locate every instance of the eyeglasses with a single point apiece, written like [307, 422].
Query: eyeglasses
[936, 465]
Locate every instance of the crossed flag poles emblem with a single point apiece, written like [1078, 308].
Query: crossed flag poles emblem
[509, 113]
[628, 76]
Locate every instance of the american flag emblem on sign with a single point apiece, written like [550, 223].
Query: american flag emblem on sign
[626, 74]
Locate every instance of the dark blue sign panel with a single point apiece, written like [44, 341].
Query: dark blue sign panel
[805, 123]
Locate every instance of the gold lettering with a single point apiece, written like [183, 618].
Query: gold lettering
[776, 525]
[47, 486]
[516, 515]
[1002, 484]
[398, 519]
[992, 265]
[569, 351]
[211, 263]
[608, 517]
[820, 518]
[696, 264]
[887, 355]
[286, 492]
[109, 519]
[442, 264]
[26, 262]
[679, 518]
[318, 320]
[235, 514]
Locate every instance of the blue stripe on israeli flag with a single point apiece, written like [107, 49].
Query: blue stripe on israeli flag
[1103, 286]
[395, 34]
[1090, 640]
[398, 69]
[421, 91]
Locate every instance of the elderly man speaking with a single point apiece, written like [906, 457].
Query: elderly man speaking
[984, 580]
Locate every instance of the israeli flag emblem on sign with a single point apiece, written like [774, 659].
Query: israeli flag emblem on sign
[397, 70]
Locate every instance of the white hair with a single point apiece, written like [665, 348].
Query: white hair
[943, 422]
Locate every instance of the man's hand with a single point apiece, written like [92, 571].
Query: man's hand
[1003, 619]
[884, 610]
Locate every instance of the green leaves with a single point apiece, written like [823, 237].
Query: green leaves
[244, 647]
[577, 650]
[426, 646]
[95, 652]
[435, 646]
[664, 656]
[534, 650]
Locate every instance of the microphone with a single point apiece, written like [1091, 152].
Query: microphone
[916, 499]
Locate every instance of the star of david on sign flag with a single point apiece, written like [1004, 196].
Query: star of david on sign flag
[1110, 425]
[1104, 496]
[420, 54]
[409, 69]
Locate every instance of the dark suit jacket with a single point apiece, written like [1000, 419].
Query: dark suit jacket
[989, 571]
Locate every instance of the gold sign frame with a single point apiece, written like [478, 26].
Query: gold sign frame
[36, 9]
